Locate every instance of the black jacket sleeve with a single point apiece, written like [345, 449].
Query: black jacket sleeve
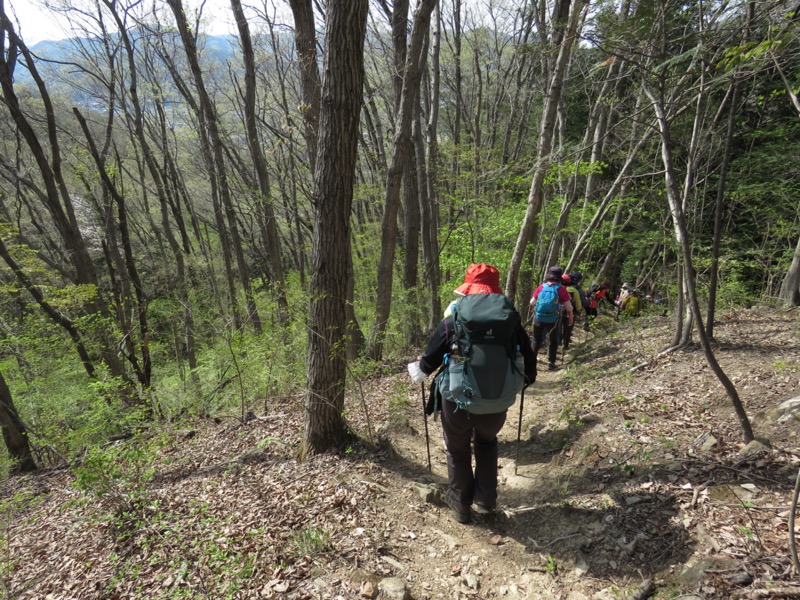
[522, 340]
[438, 345]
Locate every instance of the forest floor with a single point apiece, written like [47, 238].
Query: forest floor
[629, 483]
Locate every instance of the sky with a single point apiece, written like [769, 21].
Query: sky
[37, 23]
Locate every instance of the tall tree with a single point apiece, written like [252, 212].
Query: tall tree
[266, 214]
[428, 156]
[212, 130]
[15, 433]
[334, 178]
[306, 43]
[402, 147]
[563, 43]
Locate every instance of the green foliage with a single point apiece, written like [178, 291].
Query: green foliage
[117, 476]
[746, 52]
[565, 169]
[486, 235]
[68, 412]
[310, 542]
[551, 566]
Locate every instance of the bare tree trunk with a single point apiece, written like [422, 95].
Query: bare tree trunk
[334, 178]
[544, 147]
[15, 433]
[401, 147]
[305, 41]
[429, 212]
[266, 210]
[212, 129]
[305, 36]
[457, 84]
[205, 147]
[681, 236]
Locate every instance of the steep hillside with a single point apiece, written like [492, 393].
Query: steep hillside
[630, 480]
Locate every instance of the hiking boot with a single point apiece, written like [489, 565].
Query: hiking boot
[484, 509]
[462, 515]
[552, 366]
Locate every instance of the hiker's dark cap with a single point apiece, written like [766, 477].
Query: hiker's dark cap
[577, 277]
[480, 279]
[554, 274]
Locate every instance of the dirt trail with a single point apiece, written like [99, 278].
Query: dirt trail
[620, 481]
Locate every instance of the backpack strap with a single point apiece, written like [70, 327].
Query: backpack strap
[458, 330]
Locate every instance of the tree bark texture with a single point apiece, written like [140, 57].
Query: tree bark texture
[341, 100]
[15, 434]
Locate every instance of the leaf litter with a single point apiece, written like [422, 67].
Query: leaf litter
[629, 481]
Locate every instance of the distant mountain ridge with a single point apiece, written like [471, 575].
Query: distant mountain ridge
[56, 74]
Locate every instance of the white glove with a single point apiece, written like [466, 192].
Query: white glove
[417, 376]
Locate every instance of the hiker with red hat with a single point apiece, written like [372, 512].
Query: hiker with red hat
[486, 360]
[479, 279]
[550, 300]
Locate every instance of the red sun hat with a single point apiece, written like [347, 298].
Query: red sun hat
[480, 279]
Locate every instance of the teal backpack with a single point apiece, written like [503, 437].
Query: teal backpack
[547, 304]
[484, 370]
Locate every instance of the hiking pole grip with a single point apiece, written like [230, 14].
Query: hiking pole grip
[425, 418]
[519, 427]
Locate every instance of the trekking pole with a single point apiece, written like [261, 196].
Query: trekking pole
[427, 437]
[519, 427]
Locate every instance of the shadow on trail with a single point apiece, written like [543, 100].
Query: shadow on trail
[572, 524]
[615, 540]
[543, 443]
[607, 514]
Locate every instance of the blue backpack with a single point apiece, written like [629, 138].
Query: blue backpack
[547, 304]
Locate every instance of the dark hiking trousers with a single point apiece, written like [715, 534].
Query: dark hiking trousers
[463, 430]
[566, 333]
[540, 332]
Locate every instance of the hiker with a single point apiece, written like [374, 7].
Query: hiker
[550, 300]
[632, 304]
[596, 295]
[577, 279]
[566, 326]
[486, 360]
[623, 293]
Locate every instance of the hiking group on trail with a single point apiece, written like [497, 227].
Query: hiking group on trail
[485, 359]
